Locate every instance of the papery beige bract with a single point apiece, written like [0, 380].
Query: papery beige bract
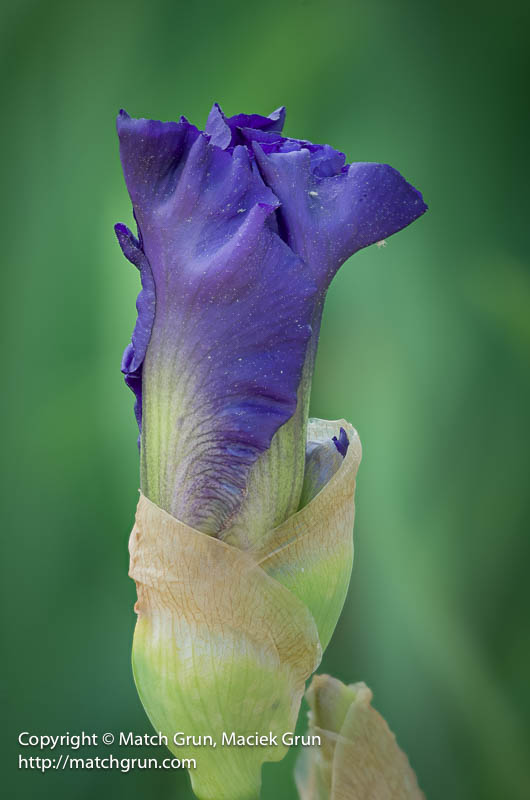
[358, 757]
[226, 639]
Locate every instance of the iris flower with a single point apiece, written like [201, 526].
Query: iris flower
[240, 232]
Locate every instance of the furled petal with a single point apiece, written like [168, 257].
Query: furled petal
[341, 442]
[325, 160]
[226, 131]
[329, 212]
[323, 459]
[134, 354]
[230, 333]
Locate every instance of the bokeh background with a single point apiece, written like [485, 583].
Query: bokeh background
[425, 347]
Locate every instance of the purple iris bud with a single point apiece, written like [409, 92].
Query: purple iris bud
[342, 442]
[240, 231]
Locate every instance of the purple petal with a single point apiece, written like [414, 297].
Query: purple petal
[323, 459]
[230, 332]
[134, 354]
[342, 443]
[226, 132]
[329, 212]
[151, 153]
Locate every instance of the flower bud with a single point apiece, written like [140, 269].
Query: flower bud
[242, 548]
[358, 757]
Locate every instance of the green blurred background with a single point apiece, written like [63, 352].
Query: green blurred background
[425, 348]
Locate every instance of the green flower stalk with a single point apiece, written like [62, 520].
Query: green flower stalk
[358, 757]
[242, 548]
